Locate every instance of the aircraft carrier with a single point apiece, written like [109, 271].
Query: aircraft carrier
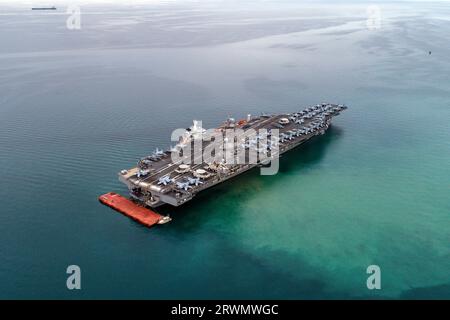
[159, 179]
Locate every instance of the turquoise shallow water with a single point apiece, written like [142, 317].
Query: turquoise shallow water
[78, 106]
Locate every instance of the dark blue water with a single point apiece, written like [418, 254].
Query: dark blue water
[77, 106]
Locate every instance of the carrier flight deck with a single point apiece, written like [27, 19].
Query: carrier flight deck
[158, 178]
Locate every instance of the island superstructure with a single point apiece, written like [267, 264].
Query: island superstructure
[158, 179]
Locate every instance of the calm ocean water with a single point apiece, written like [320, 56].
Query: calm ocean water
[77, 106]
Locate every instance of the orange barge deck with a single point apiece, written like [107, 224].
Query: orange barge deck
[142, 215]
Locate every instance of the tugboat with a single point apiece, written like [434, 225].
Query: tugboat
[164, 219]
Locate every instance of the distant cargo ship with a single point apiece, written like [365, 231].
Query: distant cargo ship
[44, 8]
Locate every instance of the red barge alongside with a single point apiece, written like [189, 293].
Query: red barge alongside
[142, 215]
